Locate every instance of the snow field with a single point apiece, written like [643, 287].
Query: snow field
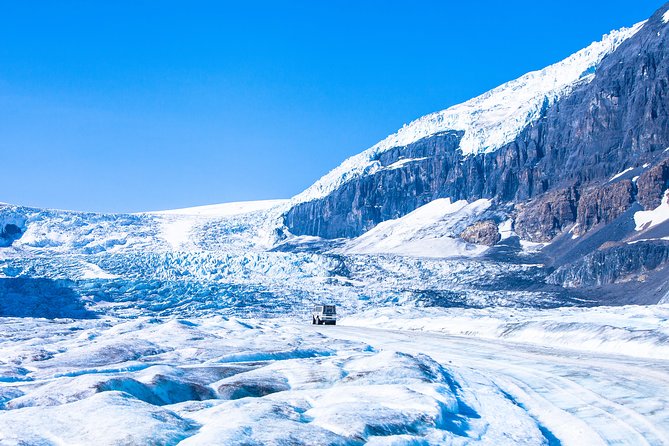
[226, 381]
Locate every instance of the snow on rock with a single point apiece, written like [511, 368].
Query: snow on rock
[648, 219]
[429, 231]
[488, 121]
[619, 174]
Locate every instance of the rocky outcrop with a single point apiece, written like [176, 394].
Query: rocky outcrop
[603, 204]
[617, 264]
[618, 120]
[652, 184]
[547, 216]
[482, 233]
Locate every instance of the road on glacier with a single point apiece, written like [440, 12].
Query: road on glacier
[576, 397]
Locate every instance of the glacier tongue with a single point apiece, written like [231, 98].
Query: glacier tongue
[488, 121]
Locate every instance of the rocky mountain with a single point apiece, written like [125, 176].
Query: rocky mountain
[568, 155]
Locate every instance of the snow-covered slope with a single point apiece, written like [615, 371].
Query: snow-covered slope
[488, 121]
[430, 231]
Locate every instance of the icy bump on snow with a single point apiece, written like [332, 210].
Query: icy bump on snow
[488, 121]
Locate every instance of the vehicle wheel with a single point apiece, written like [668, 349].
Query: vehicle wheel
[334, 323]
[318, 321]
[313, 320]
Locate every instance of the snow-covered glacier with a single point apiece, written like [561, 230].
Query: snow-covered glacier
[229, 259]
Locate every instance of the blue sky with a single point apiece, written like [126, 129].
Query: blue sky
[134, 105]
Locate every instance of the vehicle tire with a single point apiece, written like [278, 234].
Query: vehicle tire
[313, 320]
[318, 321]
[334, 323]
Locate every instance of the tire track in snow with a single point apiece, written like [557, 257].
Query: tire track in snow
[563, 390]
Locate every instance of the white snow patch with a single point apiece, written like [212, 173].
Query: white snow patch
[402, 162]
[506, 229]
[648, 219]
[619, 174]
[176, 232]
[430, 231]
[665, 17]
[488, 121]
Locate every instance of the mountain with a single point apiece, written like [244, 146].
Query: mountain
[568, 156]
[547, 191]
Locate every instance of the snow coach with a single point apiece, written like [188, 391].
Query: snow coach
[324, 314]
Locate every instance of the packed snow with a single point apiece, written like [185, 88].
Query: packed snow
[488, 121]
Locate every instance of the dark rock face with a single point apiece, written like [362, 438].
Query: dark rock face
[652, 184]
[616, 264]
[603, 204]
[547, 216]
[482, 233]
[390, 193]
[618, 120]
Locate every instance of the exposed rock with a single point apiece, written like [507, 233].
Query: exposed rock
[547, 216]
[613, 265]
[603, 204]
[482, 233]
[652, 184]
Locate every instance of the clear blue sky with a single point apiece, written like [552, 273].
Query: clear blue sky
[144, 105]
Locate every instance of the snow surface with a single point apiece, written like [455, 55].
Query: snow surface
[431, 230]
[216, 380]
[225, 209]
[665, 17]
[488, 121]
[648, 219]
